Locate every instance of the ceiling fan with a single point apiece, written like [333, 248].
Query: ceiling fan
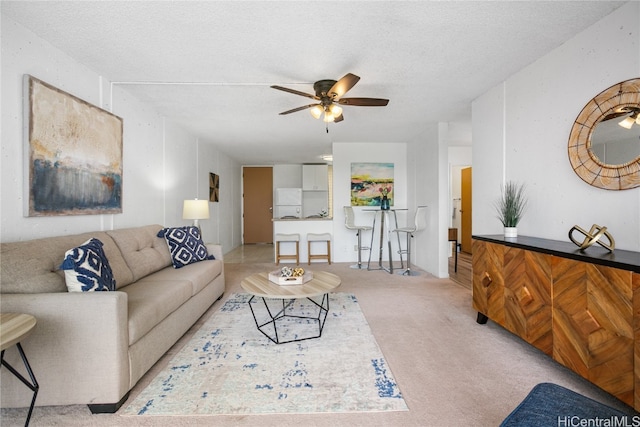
[330, 94]
[632, 113]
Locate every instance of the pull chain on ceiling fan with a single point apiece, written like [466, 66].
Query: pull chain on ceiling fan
[330, 94]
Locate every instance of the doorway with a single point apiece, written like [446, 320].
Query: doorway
[257, 202]
[465, 210]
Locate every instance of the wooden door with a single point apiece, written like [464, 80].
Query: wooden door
[257, 198]
[465, 211]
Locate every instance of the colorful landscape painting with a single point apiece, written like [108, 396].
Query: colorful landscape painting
[75, 154]
[368, 181]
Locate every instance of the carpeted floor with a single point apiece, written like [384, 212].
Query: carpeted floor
[451, 370]
[229, 367]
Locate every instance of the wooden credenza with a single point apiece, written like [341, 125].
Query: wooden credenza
[580, 308]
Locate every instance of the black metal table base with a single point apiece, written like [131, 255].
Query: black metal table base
[287, 312]
[33, 385]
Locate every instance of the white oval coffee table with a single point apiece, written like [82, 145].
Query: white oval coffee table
[274, 306]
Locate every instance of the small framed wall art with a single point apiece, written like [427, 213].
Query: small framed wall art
[214, 187]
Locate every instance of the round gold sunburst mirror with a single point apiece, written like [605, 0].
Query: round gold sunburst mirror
[603, 151]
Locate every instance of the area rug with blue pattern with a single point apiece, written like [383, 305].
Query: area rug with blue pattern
[229, 367]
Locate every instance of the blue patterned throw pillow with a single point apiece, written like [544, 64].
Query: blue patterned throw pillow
[86, 268]
[185, 245]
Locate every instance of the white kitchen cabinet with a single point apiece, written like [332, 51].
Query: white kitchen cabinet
[315, 177]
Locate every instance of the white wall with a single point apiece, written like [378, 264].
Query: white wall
[429, 175]
[521, 129]
[225, 223]
[421, 174]
[459, 158]
[162, 163]
[344, 154]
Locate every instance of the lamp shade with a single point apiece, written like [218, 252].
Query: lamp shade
[316, 111]
[335, 109]
[328, 117]
[195, 209]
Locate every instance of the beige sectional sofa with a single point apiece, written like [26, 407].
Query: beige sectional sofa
[92, 347]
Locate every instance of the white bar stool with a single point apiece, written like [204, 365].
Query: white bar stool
[349, 223]
[319, 237]
[420, 223]
[287, 238]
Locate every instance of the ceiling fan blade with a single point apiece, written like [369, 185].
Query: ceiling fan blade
[339, 119]
[298, 109]
[295, 92]
[364, 102]
[343, 85]
[614, 116]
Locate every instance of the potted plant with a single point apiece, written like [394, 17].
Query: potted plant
[384, 202]
[511, 206]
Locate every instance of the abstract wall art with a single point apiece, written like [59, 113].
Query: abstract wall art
[369, 182]
[73, 154]
[214, 187]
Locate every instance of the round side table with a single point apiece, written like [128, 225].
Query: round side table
[15, 327]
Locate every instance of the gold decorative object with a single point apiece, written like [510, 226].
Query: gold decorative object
[593, 236]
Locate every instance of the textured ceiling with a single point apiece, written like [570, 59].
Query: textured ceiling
[208, 65]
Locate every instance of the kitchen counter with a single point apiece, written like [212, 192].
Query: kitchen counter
[314, 218]
[302, 226]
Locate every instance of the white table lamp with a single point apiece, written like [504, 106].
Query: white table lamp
[195, 210]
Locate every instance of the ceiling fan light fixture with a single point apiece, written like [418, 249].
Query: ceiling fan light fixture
[328, 117]
[330, 94]
[336, 110]
[316, 111]
[628, 122]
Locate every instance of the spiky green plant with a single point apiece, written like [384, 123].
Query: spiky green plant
[511, 204]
